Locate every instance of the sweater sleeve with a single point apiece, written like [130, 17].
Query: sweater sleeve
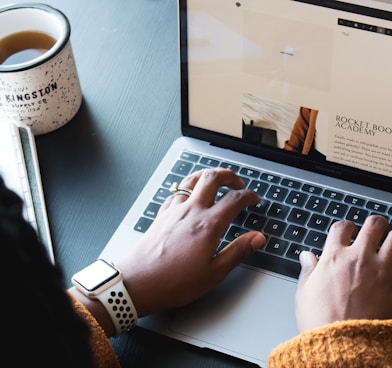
[102, 350]
[348, 344]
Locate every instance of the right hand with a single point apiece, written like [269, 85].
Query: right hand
[350, 281]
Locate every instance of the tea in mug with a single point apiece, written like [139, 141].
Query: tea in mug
[24, 46]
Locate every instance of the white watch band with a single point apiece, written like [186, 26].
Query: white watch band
[120, 307]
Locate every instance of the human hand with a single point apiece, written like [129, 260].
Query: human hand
[349, 281]
[174, 263]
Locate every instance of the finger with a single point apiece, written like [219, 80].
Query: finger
[340, 235]
[238, 251]
[210, 181]
[166, 204]
[372, 232]
[188, 183]
[386, 250]
[231, 204]
[308, 262]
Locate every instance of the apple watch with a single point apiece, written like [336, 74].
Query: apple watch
[103, 281]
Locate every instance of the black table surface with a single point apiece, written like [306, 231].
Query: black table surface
[94, 167]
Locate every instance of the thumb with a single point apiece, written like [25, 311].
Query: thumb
[308, 262]
[239, 249]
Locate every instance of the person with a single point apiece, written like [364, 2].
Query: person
[304, 130]
[343, 301]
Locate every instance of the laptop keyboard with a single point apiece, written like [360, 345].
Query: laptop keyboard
[292, 214]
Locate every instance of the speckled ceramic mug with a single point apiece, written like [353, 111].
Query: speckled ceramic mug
[43, 92]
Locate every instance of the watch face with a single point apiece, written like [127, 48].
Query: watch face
[95, 275]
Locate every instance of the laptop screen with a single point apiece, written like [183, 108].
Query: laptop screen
[301, 82]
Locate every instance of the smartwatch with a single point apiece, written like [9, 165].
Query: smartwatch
[103, 281]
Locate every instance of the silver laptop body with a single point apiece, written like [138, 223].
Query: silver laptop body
[248, 69]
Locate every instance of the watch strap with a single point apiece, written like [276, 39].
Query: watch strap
[120, 307]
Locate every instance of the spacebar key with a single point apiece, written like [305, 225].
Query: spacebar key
[275, 264]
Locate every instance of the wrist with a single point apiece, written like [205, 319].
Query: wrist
[102, 282]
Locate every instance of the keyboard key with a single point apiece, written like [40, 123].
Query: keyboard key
[222, 245]
[182, 167]
[228, 165]
[317, 253]
[357, 215]
[270, 178]
[143, 224]
[336, 209]
[255, 222]
[277, 246]
[298, 216]
[319, 222]
[249, 172]
[190, 156]
[311, 189]
[295, 250]
[273, 263]
[277, 193]
[354, 200]
[315, 239]
[258, 187]
[209, 162]
[375, 206]
[239, 220]
[316, 204]
[291, 183]
[234, 232]
[198, 168]
[222, 191]
[245, 180]
[170, 179]
[278, 210]
[296, 198]
[275, 227]
[331, 194]
[161, 195]
[261, 207]
[152, 210]
[295, 233]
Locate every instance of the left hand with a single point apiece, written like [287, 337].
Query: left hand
[175, 261]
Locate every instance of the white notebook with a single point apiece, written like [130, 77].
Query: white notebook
[20, 170]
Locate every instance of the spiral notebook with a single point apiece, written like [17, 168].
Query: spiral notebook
[19, 168]
[294, 96]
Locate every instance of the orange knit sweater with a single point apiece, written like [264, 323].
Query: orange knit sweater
[348, 344]
[103, 352]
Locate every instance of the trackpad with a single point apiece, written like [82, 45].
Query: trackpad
[248, 315]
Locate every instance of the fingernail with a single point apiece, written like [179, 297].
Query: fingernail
[304, 257]
[257, 241]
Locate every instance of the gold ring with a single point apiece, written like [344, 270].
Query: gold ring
[184, 190]
[174, 187]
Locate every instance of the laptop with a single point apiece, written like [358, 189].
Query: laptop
[294, 96]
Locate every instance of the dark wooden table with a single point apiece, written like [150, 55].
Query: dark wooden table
[93, 168]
